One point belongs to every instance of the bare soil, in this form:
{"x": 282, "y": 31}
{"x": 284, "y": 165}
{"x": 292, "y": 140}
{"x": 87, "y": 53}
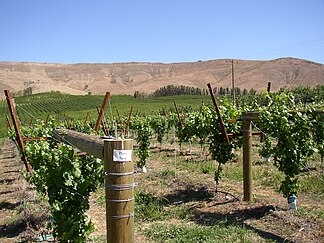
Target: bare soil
{"x": 22, "y": 215}
{"x": 126, "y": 78}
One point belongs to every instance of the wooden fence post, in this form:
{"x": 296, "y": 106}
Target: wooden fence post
{"x": 86, "y": 119}
{"x": 128, "y": 121}
{"x": 119, "y": 182}
{"x": 101, "y": 113}
{"x": 47, "y": 119}
{"x": 220, "y": 119}
{"x": 19, "y": 138}
{"x": 103, "y": 123}
{"x": 247, "y": 159}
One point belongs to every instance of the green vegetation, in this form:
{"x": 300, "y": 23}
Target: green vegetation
{"x": 149, "y": 207}
{"x": 3, "y": 121}
{"x": 172, "y": 90}
{"x": 1, "y": 141}
{"x": 76, "y": 107}
{"x": 223, "y": 232}
{"x": 313, "y": 183}
{"x": 67, "y": 179}
{"x": 291, "y": 129}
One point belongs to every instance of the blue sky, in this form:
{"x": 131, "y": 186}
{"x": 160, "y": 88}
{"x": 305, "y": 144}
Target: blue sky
{"x": 104, "y": 31}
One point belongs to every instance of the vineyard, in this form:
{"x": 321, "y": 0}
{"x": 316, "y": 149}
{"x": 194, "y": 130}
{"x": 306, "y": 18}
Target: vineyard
{"x": 189, "y": 155}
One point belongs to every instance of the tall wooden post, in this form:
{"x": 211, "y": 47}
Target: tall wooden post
{"x": 220, "y": 119}
{"x": 103, "y": 124}
{"x": 31, "y": 122}
{"x": 233, "y": 82}
{"x": 101, "y": 113}
{"x": 247, "y": 159}
{"x": 128, "y": 121}
{"x": 47, "y": 119}
{"x": 86, "y": 119}
{"x": 19, "y": 138}
{"x": 119, "y": 182}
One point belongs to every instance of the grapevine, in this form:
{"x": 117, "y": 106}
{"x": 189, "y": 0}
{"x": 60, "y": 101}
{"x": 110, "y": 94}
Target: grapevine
{"x": 291, "y": 130}
{"x": 144, "y": 133}
{"x": 219, "y": 149}
{"x": 160, "y": 126}
{"x": 66, "y": 180}
{"x": 318, "y": 132}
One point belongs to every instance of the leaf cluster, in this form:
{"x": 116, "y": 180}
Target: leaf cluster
{"x": 66, "y": 181}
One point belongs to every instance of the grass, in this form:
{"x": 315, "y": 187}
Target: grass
{"x": 196, "y": 165}
{"x": 313, "y": 183}
{"x": 1, "y": 141}
{"x": 310, "y": 212}
{"x": 221, "y": 232}
{"x": 3, "y": 122}
{"x": 168, "y": 173}
{"x": 267, "y": 176}
{"x": 149, "y": 207}
{"x": 165, "y": 222}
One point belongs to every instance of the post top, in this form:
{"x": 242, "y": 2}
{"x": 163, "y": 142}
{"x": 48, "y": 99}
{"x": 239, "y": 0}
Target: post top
{"x": 115, "y": 139}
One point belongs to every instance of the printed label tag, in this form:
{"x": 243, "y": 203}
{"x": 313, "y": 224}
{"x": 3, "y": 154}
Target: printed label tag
{"x": 122, "y": 155}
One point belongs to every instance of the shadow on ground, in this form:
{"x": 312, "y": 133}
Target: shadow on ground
{"x": 8, "y": 205}
{"x": 236, "y": 217}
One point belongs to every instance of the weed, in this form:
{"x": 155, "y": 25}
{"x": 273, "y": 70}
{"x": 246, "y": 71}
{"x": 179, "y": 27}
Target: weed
{"x": 207, "y": 168}
{"x": 167, "y": 173}
{"x": 313, "y": 183}
{"x": 149, "y": 207}
{"x": 267, "y": 176}
{"x": 232, "y": 172}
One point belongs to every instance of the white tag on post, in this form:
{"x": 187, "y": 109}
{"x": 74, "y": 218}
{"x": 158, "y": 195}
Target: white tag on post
{"x": 122, "y": 155}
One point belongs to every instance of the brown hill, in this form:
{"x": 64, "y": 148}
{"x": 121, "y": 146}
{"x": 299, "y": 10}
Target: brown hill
{"x": 126, "y": 78}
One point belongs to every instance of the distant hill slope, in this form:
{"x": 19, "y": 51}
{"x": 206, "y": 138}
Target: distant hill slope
{"x": 126, "y": 78}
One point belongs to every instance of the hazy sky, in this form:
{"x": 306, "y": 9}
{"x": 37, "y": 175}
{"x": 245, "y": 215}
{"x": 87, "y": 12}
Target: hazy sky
{"x": 74, "y": 31}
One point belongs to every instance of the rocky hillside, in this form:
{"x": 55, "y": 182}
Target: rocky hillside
{"x": 126, "y": 78}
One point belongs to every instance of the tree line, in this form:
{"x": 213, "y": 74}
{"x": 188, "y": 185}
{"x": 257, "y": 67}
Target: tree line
{"x": 172, "y": 90}
{"x": 302, "y": 94}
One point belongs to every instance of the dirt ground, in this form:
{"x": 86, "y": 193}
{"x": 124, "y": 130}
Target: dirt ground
{"x": 23, "y": 216}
